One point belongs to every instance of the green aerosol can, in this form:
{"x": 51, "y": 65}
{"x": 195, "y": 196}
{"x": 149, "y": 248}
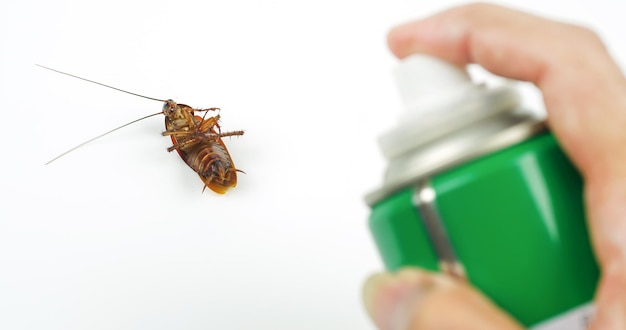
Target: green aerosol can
{"x": 479, "y": 188}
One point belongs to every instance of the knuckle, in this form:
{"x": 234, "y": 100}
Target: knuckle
{"x": 586, "y": 35}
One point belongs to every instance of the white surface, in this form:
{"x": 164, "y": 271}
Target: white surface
{"x": 118, "y": 235}
{"x": 575, "y": 319}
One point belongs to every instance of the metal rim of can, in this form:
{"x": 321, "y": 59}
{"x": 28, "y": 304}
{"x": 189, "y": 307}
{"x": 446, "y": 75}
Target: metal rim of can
{"x": 460, "y": 147}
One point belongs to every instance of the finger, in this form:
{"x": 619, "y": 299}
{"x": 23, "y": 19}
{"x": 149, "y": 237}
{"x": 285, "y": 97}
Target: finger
{"x": 610, "y": 302}
{"x": 508, "y": 42}
{"x": 607, "y": 211}
{"x": 414, "y": 299}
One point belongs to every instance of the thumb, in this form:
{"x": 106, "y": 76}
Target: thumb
{"x": 413, "y": 299}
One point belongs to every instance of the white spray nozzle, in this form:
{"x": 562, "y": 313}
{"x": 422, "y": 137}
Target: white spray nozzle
{"x": 426, "y": 83}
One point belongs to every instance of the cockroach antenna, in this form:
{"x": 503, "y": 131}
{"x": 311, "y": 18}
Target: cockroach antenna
{"x": 101, "y": 84}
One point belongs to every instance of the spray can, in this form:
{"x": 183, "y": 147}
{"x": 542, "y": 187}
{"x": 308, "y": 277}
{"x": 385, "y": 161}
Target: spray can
{"x": 479, "y": 188}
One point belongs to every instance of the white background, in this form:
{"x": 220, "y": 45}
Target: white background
{"x": 118, "y": 235}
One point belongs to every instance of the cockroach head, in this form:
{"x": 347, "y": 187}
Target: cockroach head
{"x": 169, "y": 107}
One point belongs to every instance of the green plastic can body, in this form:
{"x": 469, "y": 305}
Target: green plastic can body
{"x": 515, "y": 219}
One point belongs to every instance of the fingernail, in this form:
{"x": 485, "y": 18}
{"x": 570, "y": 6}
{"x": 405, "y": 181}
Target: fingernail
{"x": 390, "y": 298}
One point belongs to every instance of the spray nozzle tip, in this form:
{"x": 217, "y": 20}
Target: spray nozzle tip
{"x": 424, "y": 79}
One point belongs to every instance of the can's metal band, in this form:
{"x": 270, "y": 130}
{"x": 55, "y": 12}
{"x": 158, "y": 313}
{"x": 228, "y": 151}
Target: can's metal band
{"x": 455, "y": 149}
{"x": 424, "y": 200}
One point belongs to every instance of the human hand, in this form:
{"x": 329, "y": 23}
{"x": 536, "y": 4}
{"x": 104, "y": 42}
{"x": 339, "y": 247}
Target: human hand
{"x": 585, "y": 96}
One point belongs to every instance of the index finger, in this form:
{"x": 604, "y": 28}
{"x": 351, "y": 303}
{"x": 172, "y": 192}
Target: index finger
{"x": 507, "y": 42}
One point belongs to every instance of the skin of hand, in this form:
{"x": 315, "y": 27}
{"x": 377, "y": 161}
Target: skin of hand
{"x": 585, "y": 96}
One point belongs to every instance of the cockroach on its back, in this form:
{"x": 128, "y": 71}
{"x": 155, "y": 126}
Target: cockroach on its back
{"x": 198, "y": 140}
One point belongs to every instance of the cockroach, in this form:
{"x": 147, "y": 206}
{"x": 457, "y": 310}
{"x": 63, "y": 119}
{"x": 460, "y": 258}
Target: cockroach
{"x": 198, "y": 140}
